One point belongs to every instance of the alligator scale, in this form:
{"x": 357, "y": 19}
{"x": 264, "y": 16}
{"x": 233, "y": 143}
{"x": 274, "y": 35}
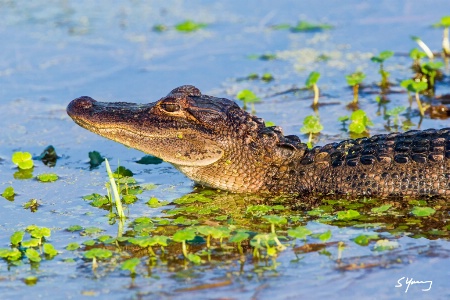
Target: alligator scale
{"x": 217, "y": 144}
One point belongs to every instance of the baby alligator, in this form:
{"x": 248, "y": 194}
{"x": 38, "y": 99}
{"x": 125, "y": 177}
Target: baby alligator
{"x": 217, "y": 144}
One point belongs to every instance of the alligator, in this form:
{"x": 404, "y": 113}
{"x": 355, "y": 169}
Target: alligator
{"x": 217, "y": 144}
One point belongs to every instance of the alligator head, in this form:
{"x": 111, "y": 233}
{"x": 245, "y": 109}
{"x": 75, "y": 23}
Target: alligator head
{"x": 211, "y": 140}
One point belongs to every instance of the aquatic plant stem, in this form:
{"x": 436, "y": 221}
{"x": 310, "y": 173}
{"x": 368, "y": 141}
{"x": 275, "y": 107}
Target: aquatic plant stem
{"x": 446, "y": 42}
{"x": 419, "y": 104}
{"x": 114, "y": 191}
{"x": 355, "y": 93}
{"x": 316, "y": 95}
{"x": 183, "y": 245}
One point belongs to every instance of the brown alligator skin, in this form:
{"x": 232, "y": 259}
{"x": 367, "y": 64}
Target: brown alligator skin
{"x": 217, "y": 144}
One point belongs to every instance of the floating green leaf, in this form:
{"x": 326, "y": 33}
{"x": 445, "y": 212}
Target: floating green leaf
{"x": 98, "y": 253}
{"x": 74, "y": 228}
{"x": 33, "y": 255}
{"x": 423, "y": 211}
{"x": 31, "y": 243}
{"x": 155, "y": 203}
{"x": 95, "y": 159}
{"x": 325, "y": 236}
{"x": 72, "y": 246}
{"x": 381, "y": 208}
{"x": 299, "y": 232}
{"x": 23, "y": 160}
{"x": 303, "y": 26}
{"x": 149, "y": 160}
{"x": 10, "y": 254}
{"x": 8, "y": 193}
{"x": 50, "y": 250}
{"x": 130, "y": 264}
{"x": 47, "y": 177}
{"x": 348, "y": 214}
{"x": 189, "y": 26}
{"x": 17, "y": 237}
{"x": 364, "y": 239}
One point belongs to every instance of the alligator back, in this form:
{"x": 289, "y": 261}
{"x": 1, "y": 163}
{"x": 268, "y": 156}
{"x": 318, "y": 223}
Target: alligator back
{"x": 397, "y": 164}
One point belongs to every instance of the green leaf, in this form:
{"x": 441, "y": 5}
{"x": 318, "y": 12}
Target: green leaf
{"x": 348, "y": 214}
{"x": 413, "y": 86}
{"x": 122, "y": 172}
{"x": 267, "y": 77}
{"x": 72, "y": 246}
{"x": 247, "y": 96}
{"x": 395, "y": 111}
{"x": 299, "y": 232}
{"x": 364, "y": 239}
{"x": 33, "y": 255}
{"x": 312, "y": 79}
{"x": 239, "y": 237}
{"x": 269, "y": 123}
{"x": 325, "y": 236}
{"x": 149, "y": 160}
{"x": 74, "y": 228}
{"x": 47, "y": 177}
{"x": 95, "y": 159}
{"x": 30, "y": 280}
{"x": 155, "y": 203}
{"x": 274, "y": 219}
{"x": 381, "y": 208}
{"x": 10, "y": 254}
{"x": 355, "y": 78}
{"x": 382, "y": 56}
{"x": 91, "y": 231}
{"x": 98, "y": 253}
{"x": 17, "y": 237}
{"x": 445, "y": 22}
{"x": 50, "y": 250}
{"x": 189, "y": 26}
{"x": 23, "y": 160}
{"x": 31, "y": 243}
{"x": 89, "y": 243}
{"x": 303, "y": 26}
{"x": 416, "y": 54}
{"x": 431, "y": 66}
{"x": 360, "y": 121}
{"x": 184, "y": 235}
{"x": 8, "y": 193}
{"x": 311, "y": 124}
{"x": 130, "y": 264}
{"x": 343, "y": 118}
{"x": 194, "y": 258}
{"x": 423, "y": 211}
{"x": 39, "y": 232}
{"x": 159, "y": 28}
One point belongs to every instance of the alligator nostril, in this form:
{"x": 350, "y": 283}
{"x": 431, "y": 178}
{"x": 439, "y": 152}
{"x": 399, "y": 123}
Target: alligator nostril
{"x": 84, "y": 102}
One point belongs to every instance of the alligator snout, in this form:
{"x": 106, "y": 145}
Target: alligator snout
{"x": 80, "y": 105}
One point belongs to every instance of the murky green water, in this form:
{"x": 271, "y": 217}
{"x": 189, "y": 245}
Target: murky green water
{"x": 52, "y": 52}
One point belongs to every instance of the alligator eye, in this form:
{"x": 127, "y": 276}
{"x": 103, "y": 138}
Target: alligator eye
{"x": 170, "y": 107}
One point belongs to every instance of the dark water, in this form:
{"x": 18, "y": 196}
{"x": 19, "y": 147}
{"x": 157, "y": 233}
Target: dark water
{"x": 54, "y": 51}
